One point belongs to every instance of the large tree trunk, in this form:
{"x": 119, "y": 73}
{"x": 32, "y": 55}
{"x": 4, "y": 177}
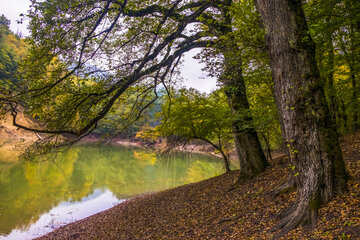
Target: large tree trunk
{"x": 251, "y": 156}
{"x": 307, "y": 127}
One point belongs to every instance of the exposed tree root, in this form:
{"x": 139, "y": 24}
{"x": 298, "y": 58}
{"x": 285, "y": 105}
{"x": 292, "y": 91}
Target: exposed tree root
{"x": 284, "y": 213}
{"x": 285, "y": 187}
{"x": 301, "y": 214}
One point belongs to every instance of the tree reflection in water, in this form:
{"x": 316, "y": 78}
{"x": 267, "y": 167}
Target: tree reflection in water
{"x": 30, "y": 192}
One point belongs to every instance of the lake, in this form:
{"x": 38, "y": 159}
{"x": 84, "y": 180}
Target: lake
{"x": 39, "y": 196}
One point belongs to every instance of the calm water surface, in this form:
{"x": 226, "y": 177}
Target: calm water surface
{"x": 36, "y": 198}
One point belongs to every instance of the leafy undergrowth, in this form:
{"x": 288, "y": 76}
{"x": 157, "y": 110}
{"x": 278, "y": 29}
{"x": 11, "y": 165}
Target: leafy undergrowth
{"x": 205, "y": 210}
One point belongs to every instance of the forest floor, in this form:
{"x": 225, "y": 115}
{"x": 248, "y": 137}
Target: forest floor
{"x": 206, "y": 210}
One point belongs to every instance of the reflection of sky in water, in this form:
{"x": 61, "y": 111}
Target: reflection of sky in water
{"x": 29, "y": 190}
{"x": 66, "y": 212}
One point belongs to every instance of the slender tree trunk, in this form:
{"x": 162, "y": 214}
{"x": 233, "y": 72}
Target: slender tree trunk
{"x": 330, "y": 89}
{"x": 307, "y": 127}
{"x": 354, "y": 99}
{"x": 353, "y": 60}
{"x": 226, "y": 161}
{"x": 355, "y": 90}
{"x": 268, "y": 147}
{"x": 343, "y": 116}
{"x": 220, "y": 149}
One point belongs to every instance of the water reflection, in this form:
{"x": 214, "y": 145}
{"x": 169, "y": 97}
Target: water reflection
{"x": 67, "y": 212}
{"x": 31, "y": 192}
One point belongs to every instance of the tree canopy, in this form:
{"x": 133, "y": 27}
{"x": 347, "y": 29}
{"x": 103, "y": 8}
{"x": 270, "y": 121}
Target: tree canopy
{"x": 191, "y": 115}
{"x": 114, "y": 45}
{"x": 12, "y": 50}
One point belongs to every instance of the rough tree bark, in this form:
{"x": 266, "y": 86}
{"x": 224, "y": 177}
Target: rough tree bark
{"x": 306, "y": 124}
{"x": 251, "y": 156}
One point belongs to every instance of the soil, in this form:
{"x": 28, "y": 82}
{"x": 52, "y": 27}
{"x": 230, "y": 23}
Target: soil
{"x": 13, "y": 141}
{"x": 207, "y": 210}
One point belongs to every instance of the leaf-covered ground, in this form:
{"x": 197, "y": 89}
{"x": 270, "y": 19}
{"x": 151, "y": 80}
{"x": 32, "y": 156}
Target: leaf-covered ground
{"x": 205, "y": 210}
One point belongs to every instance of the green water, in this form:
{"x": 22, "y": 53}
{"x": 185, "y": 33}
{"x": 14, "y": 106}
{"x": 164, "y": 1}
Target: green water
{"x": 29, "y": 190}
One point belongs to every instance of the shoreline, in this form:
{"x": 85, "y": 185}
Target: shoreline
{"x": 207, "y": 210}
{"x": 202, "y": 148}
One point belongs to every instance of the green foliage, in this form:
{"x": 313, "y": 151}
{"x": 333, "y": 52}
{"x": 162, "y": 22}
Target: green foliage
{"x": 4, "y": 21}
{"x": 247, "y": 29}
{"x": 130, "y": 114}
{"x": 334, "y": 25}
{"x": 192, "y": 115}
{"x": 12, "y": 51}
{"x": 105, "y": 76}
{"x": 249, "y": 36}
{"x": 85, "y": 62}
